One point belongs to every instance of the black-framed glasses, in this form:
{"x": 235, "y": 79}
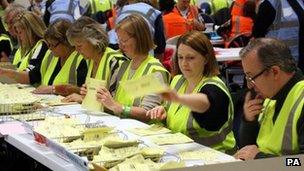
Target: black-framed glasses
{"x": 251, "y": 79}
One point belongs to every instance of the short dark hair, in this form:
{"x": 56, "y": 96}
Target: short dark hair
{"x": 271, "y": 52}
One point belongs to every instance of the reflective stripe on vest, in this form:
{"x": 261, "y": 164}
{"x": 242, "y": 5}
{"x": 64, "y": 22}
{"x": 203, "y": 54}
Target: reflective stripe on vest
{"x": 218, "y": 137}
{"x": 180, "y": 118}
{"x": 46, "y": 67}
{"x": 286, "y": 145}
{"x": 285, "y": 26}
{"x": 104, "y": 70}
{"x": 25, "y": 61}
{"x": 148, "y": 12}
{"x": 69, "y": 11}
{"x": 67, "y": 73}
{"x": 149, "y": 65}
{"x": 281, "y": 137}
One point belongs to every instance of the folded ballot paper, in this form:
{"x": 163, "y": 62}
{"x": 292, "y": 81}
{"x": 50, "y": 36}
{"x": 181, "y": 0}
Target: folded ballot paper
{"x": 148, "y": 84}
{"x": 151, "y": 130}
{"x": 168, "y": 139}
{"x": 90, "y": 101}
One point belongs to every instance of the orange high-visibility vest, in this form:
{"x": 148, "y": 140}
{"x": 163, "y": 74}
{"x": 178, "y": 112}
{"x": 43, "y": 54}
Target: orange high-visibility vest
{"x": 111, "y": 20}
{"x": 174, "y": 25}
{"x": 237, "y": 8}
{"x": 240, "y": 24}
{"x": 192, "y": 14}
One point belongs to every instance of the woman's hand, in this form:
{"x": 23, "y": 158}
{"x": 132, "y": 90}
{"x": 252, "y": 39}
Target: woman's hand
{"x": 158, "y": 112}
{"x": 170, "y": 95}
{"x": 104, "y": 96}
{"x": 73, "y": 98}
{"x": 43, "y": 90}
{"x": 83, "y": 90}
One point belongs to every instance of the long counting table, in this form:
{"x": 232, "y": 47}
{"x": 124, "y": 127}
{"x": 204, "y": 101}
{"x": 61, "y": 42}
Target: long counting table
{"x": 42, "y": 154}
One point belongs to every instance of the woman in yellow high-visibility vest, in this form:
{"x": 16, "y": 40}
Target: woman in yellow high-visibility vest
{"x": 135, "y": 40}
{"x": 92, "y": 42}
{"x": 30, "y": 30}
{"x": 199, "y": 104}
{"x": 63, "y": 69}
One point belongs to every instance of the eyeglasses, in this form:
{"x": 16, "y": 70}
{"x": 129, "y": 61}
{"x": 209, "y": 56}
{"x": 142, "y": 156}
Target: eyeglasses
{"x": 53, "y": 46}
{"x": 124, "y": 41}
{"x": 250, "y": 80}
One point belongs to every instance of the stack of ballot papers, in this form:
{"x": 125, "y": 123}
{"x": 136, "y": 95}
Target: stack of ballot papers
{"x": 110, "y": 157}
{"x": 139, "y": 163}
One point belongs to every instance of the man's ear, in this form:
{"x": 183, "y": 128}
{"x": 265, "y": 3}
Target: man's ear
{"x": 276, "y": 71}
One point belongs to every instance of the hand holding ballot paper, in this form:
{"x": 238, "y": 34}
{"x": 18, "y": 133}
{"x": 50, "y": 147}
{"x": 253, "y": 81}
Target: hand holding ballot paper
{"x": 90, "y": 101}
{"x": 145, "y": 85}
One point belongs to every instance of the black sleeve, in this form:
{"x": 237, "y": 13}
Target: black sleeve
{"x": 5, "y": 47}
{"x": 217, "y": 115}
{"x": 159, "y": 36}
{"x": 82, "y": 72}
{"x": 248, "y": 132}
{"x": 264, "y": 18}
{"x": 34, "y": 65}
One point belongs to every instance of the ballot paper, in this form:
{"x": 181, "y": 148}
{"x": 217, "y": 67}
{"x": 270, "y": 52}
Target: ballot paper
{"x": 202, "y": 154}
{"x": 90, "y": 101}
{"x": 57, "y": 101}
{"x": 166, "y": 139}
{"x": 151, "y": 130}
{"x": 145, "y": 85}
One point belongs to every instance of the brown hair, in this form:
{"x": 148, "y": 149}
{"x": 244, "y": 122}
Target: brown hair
{"x": 200, "y": 43}
{"x": 57, "y": 31}
{"x": 137, "y": 27}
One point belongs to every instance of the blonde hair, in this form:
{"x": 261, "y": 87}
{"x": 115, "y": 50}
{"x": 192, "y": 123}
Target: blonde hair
{"x": 137, "y": 27}
{"x": 89, "y": 30}
{"x": 33, "y": 26}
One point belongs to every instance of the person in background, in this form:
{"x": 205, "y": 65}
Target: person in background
{"x": 152, "y": 15}
{"x": 63, "y": 69}
{"x": 190, "y": 14}
{"x": 6, "y": 46}
{"x": 273, "y": 119}
{"x": 61, "y": 9}
{"x": 135, "y": 40}
{"x": 92, "y": 42}
{"x": 282, "y": 19}
{"x": 30, "y": 30}
{"x": 199, "y": 104}
{"x": 10, "y": 13}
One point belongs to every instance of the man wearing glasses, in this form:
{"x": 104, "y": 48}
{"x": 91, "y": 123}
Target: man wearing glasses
{"x": 273, "y": 122}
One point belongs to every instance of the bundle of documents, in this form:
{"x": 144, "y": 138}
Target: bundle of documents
{"x": 139, "y": 163}
{"x": 60, "y": 128}
{"x": 110, "y": 157}
{"x": 16, "y": 101}
{"x": 151, "y": 130}
{"x": 207, "y": 155}
{"x": 56, "y": 101}
{"x": 167, "y": 139}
